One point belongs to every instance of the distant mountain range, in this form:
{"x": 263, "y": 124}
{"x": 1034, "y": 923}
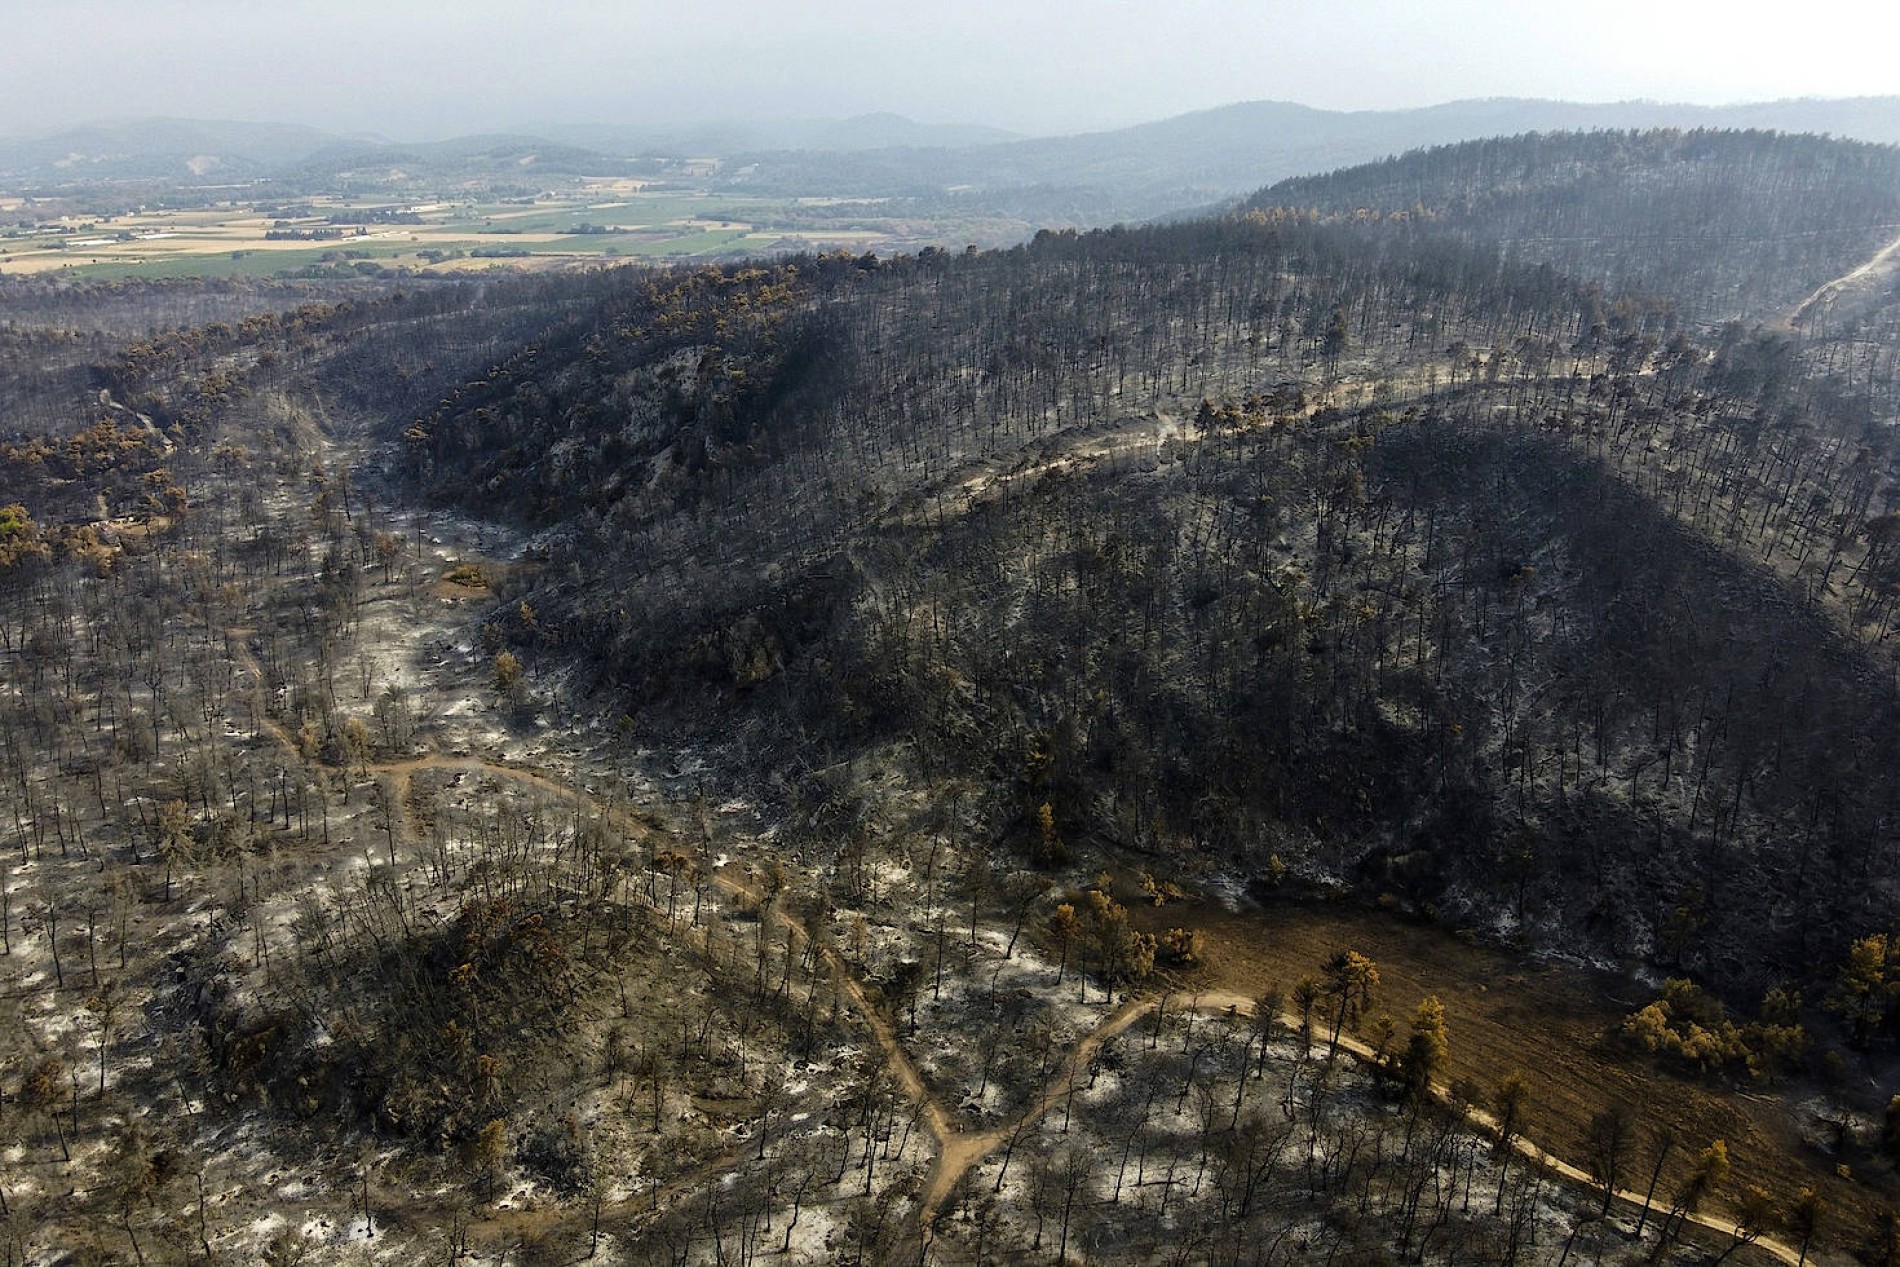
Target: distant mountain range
{"x": 720, "y": 139}
{"x": 160, "y": 149}
{"x": 1197, "y": 159}
{"x": 1153, "y": 169}
{"x": 215, "y": 151}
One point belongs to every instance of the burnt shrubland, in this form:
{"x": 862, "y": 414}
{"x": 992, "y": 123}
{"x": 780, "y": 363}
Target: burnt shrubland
{"x": 702, "y": 761}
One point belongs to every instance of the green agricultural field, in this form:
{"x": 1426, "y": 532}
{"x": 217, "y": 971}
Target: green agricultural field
{"x": 243, "y": 262}
{"x": 702, "y": 243}
{"x": 626, "y": 211}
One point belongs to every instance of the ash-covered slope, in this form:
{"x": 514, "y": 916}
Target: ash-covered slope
{"x": 1350, "y": 545}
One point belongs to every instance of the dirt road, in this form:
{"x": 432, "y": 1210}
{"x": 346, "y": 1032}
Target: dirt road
{"x": 1506, "y": 1015}
{"x": 1547, "y": 1022}
{"x": 1864, "y": 284}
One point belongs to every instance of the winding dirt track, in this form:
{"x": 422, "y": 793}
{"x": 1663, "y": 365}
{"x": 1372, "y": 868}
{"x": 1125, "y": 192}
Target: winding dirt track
{"x": 958, "y": 1149}
{"x": 1223, "y": 1001}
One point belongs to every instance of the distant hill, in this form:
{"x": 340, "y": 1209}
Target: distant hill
{"x": 724, "y": 138}
{"x": 1200, "y": 158}
{"x": 211, "y": 152}
{"x": 180, "y": 149}
{"x": 458, "y": 157}
{"x": 218, "y": 151}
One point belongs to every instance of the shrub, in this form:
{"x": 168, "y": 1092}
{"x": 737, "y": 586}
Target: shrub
{"x": 1688, "y": 1027}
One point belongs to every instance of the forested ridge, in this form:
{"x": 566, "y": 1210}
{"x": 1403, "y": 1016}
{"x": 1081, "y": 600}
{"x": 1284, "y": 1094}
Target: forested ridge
{"x": 1721, "y": 224}
{"x": 691, "y": 750}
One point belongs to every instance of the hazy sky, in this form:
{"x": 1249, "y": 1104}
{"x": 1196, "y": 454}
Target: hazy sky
{"x": 423, "y": 68}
